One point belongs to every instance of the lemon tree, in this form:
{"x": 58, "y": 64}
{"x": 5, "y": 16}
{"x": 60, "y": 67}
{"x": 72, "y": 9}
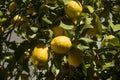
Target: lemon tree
{"x": 59, "y": 40}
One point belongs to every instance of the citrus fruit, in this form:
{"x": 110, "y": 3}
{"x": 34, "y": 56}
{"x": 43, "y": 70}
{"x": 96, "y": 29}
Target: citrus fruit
{"x": 75, "y": 57}
{"x": 109, "y": 37}
{"x": 12, "y": 6}
{"x": 61, "y": 44}
{"x": 40, "y": 55}
{"x": 73, "y": 10}
{"x": 58, "y": 31}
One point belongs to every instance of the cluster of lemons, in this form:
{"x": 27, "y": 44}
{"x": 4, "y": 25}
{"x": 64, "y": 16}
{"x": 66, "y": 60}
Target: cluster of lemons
{"x": 61, "y": 44}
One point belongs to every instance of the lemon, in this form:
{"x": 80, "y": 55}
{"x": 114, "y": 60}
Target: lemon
{"x": 61, "y": 44}
{"x": 58, "y": 31}
{"x": 73, "y": 10}
{"x": 12, "y": 6}
{"x": 75, "y": 57}
{"x": 40, "y": 55}
{"x": 109, "y": 37}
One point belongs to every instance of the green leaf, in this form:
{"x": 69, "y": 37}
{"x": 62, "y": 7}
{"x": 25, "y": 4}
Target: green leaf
{"x": 82, "y": 47}
{"x": 88, "y": 40}
{"x": 55, "y": 71}
{"x": 115, "y": 27}
{"x": 107, "y": 65}
{"x": 68, "y": 27}
{"x": 90, "y": 8}
{"x": 88, "y": 20}
{"x": 86, "y": 26}
{"x": 1, "y": 13}
{"x": 66, "y": 1}
{"x": 34, "y": 28}
{"x": 97, "y": 24}
{"x": 3, "y": 19}
{"x": 46, "y": 20}
{"x": 115, "y": 42}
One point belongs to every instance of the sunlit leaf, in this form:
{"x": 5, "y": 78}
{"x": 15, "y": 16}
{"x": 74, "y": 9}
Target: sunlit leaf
{"x": 68, "y": 27}
{"x": 88, "y": 20}
{"x": 55, "y": 71}
{"x": 82, "y": 47}
{"x": 88, "y": 40}
{"x": 34, "y": 28}
{"x": 46, "y": 20}
{"x": 115, "y": 27}
{"x": 90, "y": 8}
{"x": 108, "y": 65}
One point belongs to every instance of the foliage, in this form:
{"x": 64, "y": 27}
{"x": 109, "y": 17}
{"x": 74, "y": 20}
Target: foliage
{"x": 101, "y": 58}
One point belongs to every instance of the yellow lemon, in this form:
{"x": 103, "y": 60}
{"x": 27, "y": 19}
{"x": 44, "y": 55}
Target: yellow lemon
{"x": 61, "y": 44}
{"x": 12, "y": 6}
{"x": 75, "y": 57}
{"x": 58, "y": 31}
{"x": 73, "y": 10}
{"x": 40, "y": 55}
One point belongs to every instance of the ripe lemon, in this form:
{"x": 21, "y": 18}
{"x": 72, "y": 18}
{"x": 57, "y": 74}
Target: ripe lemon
{"x": 12, "y": 6}
{"x": 61, "y": 44}
{"x": 40, "y": 55}
{"x": 58, "y": 31}
{"x": 73, "y": 9}
{"x": 75, "y": 57}
{"x": 109, "y": 37}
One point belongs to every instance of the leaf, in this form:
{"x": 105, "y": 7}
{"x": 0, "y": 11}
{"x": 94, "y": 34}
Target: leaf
{"x": 107, "y": 65}
{"x": 88, "y": 40}
{"x": 1, "y": 13}
{"x": 3, "y": 19}
{"x": 90, "y": 8}
{"x": 82, "y": 47}
{"x": 55, "y": 71}
{"x": 46, "y": 20}
{"x": 86, "y": 26}
{"x": 66, "y": 1}
{"x": 97, "y": 24}
{"x": 34, "y": 28}
{"x": 68, "y": 27}
{"x": 115, "y": 41}
{"x": 115, "y": 27}
{"x": 88, "y": 20}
